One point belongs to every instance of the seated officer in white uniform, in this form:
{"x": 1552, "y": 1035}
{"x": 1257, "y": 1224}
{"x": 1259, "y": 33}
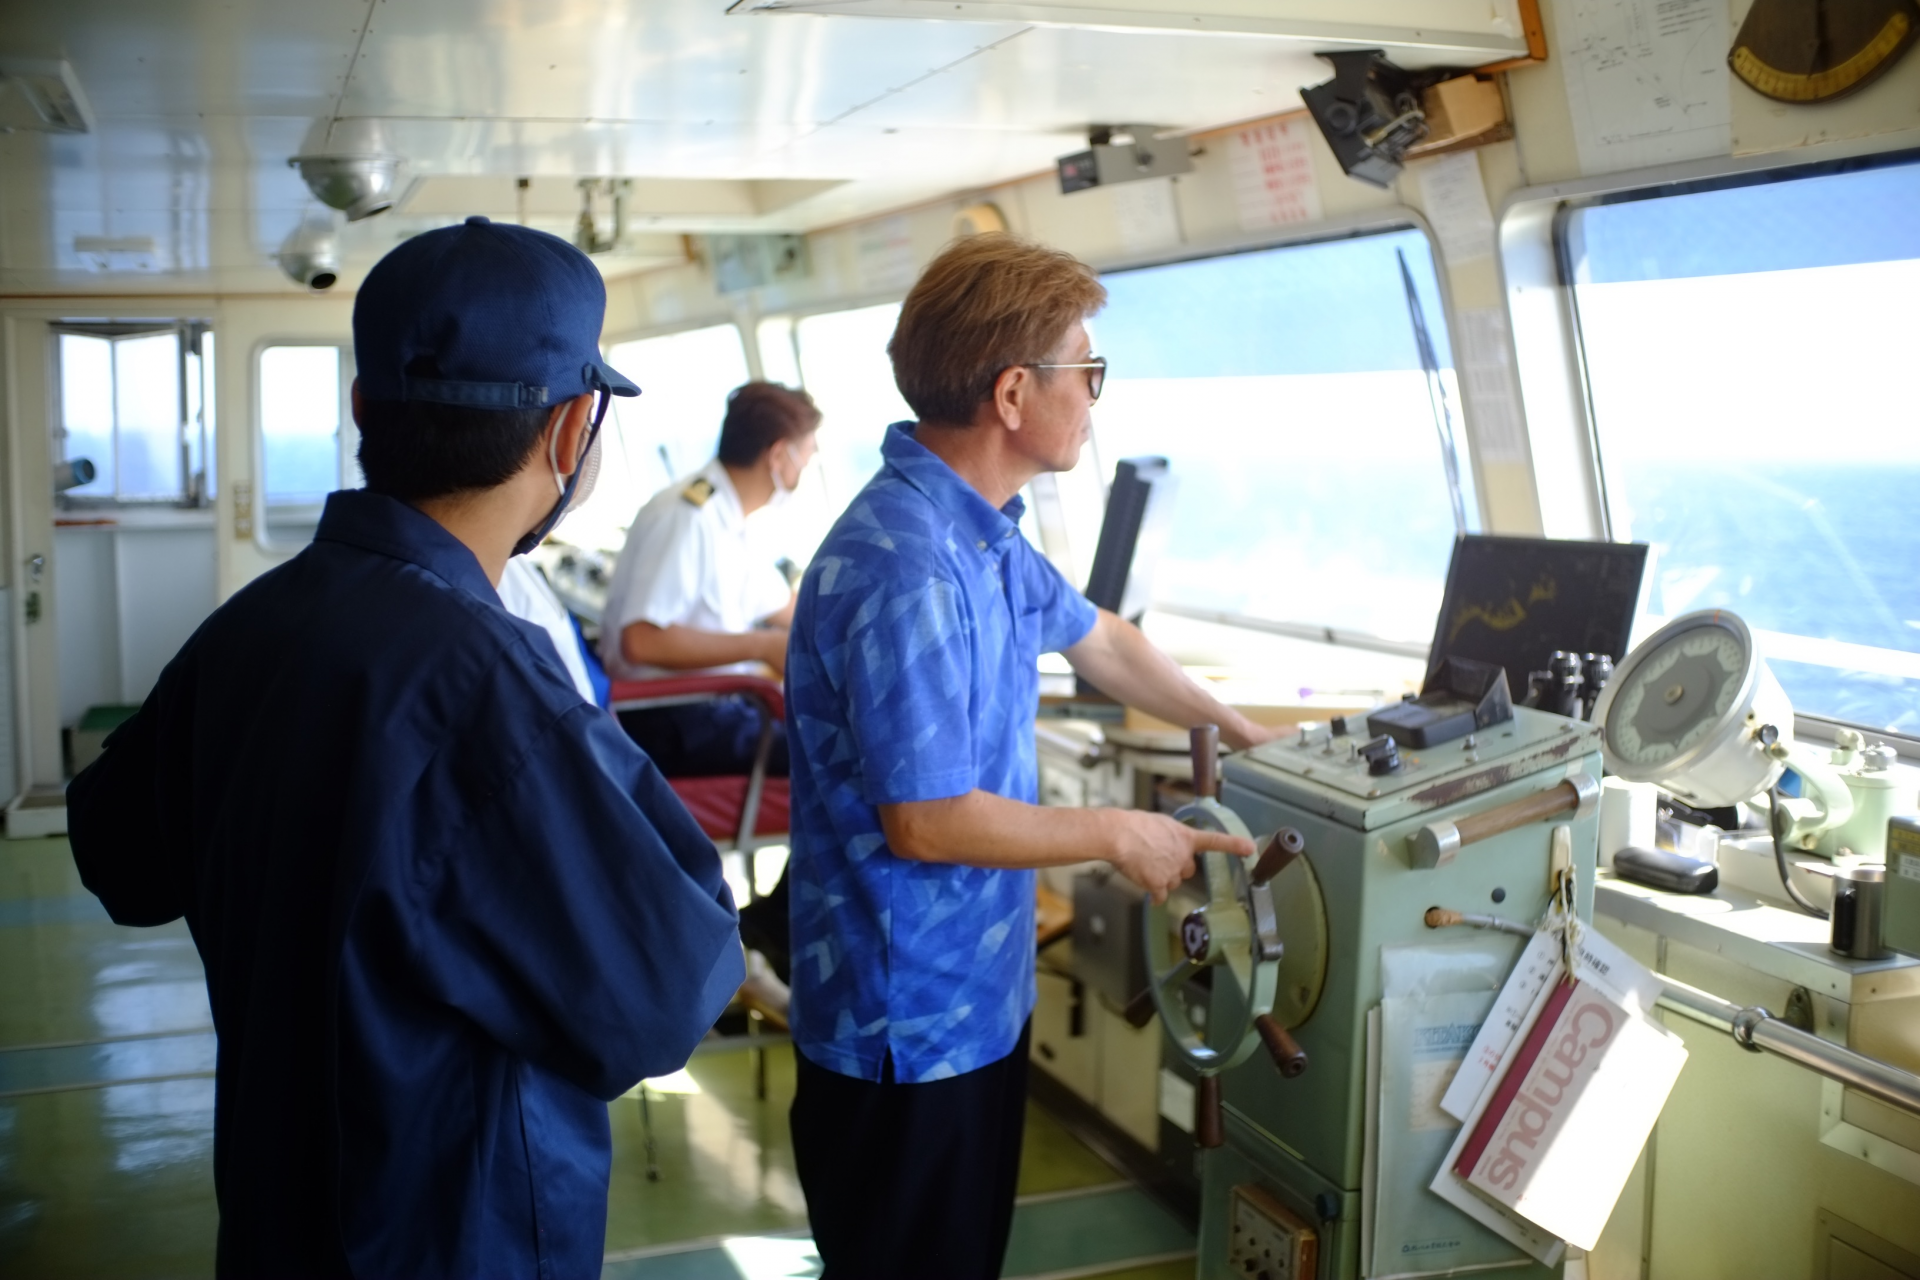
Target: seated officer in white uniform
{"x": 691, "y": 595}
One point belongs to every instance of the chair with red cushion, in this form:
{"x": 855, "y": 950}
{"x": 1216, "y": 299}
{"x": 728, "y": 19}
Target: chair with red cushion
{"x": 741, "y": 812}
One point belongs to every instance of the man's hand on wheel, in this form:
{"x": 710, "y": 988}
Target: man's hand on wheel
{"x": 1157, "y": 853}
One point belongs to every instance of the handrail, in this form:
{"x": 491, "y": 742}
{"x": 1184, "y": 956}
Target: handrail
{"x": 1437, "y": 843}
{"x": 1752, "y": 1027}
{"x": 1755, "y": 1029}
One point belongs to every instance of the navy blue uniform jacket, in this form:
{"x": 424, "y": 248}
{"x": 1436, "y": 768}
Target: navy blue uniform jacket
{"x": 447, "y": 910}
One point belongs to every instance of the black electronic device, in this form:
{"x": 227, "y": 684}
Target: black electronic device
{"x": 1515, "y": 602}
{"x": 1369, "y": 112}
{"x": 1132, "y": 533}
{"x": 1459, "y": 697}
{"x": 1659, "y": 869}
{"x": 1139, "y": 508}
{"x": 1123, "y": 153}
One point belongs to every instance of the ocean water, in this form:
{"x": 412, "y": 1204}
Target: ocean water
{"x": 1830, "y": 551}
{"x": 1812, "y": 551}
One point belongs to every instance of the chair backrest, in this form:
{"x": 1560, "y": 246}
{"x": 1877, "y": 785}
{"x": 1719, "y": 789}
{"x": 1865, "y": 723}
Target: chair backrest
{"x": 596, "y": 673}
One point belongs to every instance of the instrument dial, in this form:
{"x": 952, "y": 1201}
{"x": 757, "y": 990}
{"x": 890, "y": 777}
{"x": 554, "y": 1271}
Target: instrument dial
{"x": 1687, "y": 708}
{"x": 1675, "y": 697}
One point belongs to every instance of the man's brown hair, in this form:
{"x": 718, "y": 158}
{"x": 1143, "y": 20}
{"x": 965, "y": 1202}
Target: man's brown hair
{"x": 986, "y": 304}
{"x": 761, "y": 415}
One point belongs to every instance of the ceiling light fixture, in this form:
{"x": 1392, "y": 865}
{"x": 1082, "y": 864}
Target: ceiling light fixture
{"x": 310, "y": 255}
{"x": 1499, "y": 30}
{"x": 347, "y": 166}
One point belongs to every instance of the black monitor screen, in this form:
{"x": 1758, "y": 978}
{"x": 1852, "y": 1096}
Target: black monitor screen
{"x": 1139, "y": 507}
{"x": 1514, "y": 601}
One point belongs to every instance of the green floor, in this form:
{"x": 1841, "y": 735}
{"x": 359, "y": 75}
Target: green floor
{"x": 106, "y": 1115}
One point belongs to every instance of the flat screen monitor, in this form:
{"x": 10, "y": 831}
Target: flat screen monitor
{"x": 1134, "y": 530}
{"x": 1514, "y": 601}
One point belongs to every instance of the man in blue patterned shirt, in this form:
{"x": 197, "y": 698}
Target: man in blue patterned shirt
{"x": 912, "y": 687}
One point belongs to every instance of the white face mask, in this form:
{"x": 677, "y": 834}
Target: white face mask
{"x": 782, "y": 492}
{"x": 589, "y": 473}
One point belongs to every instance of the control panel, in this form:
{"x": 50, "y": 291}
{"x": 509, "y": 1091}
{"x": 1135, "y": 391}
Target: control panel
{"x": 1366, "y": 780}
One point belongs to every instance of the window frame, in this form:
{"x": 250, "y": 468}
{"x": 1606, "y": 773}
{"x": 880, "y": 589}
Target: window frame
{"x": 188, "y": 330}
{"x": 1562, "y": 429}
{"x": 301, "y": 513}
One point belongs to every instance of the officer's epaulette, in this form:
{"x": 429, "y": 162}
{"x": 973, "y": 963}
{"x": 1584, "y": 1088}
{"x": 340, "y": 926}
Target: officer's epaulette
{"x": 698, "y": 492}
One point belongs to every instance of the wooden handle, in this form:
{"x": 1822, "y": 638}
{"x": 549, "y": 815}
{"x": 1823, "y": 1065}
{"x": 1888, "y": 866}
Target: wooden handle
{"x": 1140, "y": 1010}
{"x": 1286, "y": 845}
{"x": 1286, "y": 1051}
{"x": 1205, "y": 744}
{"x": 1209, "y": 1128}
{"x": 1541, "y": 804}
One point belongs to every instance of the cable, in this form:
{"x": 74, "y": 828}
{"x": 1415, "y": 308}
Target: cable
{"x": 1780, "y": 855}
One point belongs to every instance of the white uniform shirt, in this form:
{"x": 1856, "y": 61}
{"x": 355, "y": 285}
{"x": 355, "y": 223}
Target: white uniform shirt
{"x": 689, "y": 562}
{"x": 527, "y": 595}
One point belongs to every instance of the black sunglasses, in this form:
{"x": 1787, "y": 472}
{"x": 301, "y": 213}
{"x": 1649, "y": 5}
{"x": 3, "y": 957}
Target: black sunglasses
{"x": 1096, "y": 376}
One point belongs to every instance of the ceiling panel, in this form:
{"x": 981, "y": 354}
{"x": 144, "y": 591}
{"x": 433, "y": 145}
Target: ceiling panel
{"x": 1061, "y": 79}
{"x": 238, "y": 57}
{"x": 201, "y": 102}
{"x": 1418, "y": 33}
{"x": 613, "y": 60}
{"x": 455, "y": 197}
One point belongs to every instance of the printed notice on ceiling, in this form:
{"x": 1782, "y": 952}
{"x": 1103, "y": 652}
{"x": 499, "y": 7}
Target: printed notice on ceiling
{"x": 1273, "y": 182}
{"x": 1646, "y": 81}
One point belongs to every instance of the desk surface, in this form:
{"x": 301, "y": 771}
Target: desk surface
{"x": 1782, "y": 943}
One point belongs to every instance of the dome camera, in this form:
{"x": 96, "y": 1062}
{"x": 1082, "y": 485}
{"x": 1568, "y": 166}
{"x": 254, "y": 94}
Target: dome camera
{"x": 311, "y": 256}
{"x": 347, "y": 166}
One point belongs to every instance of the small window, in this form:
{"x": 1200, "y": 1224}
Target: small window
{"x": 136, "y": 413}
{"x": 844, "y": 364}
{"x": 308, "y": 444}
{"x": 1314, "y": 452}
{"x": 670, "y": 429}
{"x": 1746, "y": 350}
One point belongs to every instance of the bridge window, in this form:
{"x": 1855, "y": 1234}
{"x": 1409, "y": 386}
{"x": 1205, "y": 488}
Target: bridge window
{"x": 1746, "y": 350}
{"x": 1315, "y": 454}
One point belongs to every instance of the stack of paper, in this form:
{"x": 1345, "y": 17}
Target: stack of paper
{"x": 1557, "y": 1096}
{"x": 1435, "y": 995}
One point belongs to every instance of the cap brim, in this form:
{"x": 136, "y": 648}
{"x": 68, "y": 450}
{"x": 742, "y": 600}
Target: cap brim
{"x": 614, "y": 381}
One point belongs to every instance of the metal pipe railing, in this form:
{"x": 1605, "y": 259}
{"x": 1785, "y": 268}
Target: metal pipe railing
{"x": 1752, "y": 1027}
{"x": 1757, "y": 1029}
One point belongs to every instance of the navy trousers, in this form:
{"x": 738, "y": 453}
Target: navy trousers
{"x": 705, "y": 739}
{"x": 911, "y": 1180}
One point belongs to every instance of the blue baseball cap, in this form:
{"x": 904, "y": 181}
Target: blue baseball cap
{"x": 485, "y": 314}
